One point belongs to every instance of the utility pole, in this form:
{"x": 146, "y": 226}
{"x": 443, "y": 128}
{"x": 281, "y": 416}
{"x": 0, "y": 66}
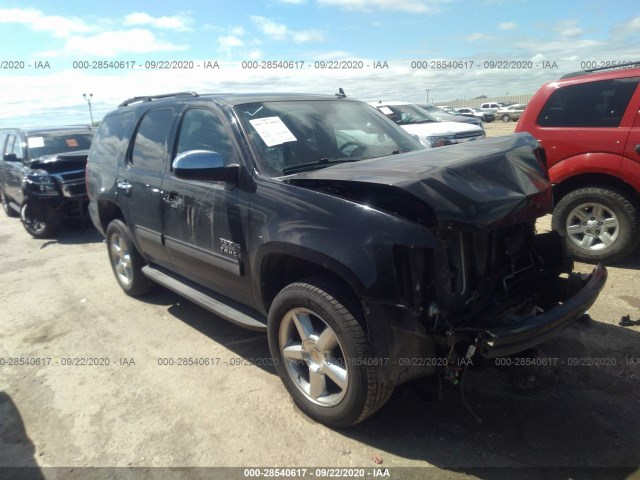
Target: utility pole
{"x": 88, "y": 99}
{"x": 427, "y": 94}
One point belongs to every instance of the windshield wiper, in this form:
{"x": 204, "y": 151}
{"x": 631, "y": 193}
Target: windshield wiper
{"x": 322, "y": 163}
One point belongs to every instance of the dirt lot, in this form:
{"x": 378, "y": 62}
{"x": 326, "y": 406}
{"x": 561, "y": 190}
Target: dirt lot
{"x": 62, "y": 306}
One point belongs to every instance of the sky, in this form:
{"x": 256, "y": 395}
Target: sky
{"x": 413, "y": 50}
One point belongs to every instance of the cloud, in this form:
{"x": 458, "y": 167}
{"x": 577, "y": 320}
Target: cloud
{"x": 229, "y": 41}
{"x": 293, "y": 2}
{"x": 58, "y": 26}
{"x": 413, "y": 6}
{"x": 507, "y": 26}
{"x": 179, "y": 23}
{"x": 567, "y": 28}
{"x": 113, "y": 43}
{"x": 279, "y": 31}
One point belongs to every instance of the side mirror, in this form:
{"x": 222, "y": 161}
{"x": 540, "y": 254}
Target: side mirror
{"x": 11, "y": 157}
{"x": 204, "y": 165}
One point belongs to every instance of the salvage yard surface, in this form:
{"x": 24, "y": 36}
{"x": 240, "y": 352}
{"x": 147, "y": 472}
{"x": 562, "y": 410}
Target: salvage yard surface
{"x": 92, "y": 377}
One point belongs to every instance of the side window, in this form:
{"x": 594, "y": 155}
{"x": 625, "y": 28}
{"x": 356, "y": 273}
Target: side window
{"x": 112, "y": 138}
{"x": 595, "y": 104}
{"x": 14, "y": 145}
{"x": 150, "y": 145}
{"x": 203, "y": 130}
{"x": 3, "y": 141}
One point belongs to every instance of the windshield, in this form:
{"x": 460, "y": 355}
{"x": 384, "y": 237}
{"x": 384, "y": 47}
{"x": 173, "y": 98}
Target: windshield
{"x": 294, "y": 136}
{"x": 407, "y": 114}
{"x": 50, "y": 144}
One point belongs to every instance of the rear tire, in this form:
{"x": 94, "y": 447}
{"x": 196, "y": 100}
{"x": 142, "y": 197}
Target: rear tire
{"x": 598, "y": 223}
{"x": 126, "y": 262}
{"x": 322, "y": 354}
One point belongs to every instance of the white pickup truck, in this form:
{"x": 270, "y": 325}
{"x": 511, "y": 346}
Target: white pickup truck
{"x": 430, "y": 131}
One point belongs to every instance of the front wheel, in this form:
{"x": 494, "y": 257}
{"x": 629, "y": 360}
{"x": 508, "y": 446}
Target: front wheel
{"x": 506, "y": 118}
{"x": 322, "y": 354}
{"x": 599, "y": 224}
{"x": 35, "y": 226}
{"x": 126, "y": 261}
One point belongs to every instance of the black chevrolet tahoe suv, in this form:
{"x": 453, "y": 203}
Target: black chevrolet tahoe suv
{"x": 42, "y": 175}
{"x": 367, "y": 259}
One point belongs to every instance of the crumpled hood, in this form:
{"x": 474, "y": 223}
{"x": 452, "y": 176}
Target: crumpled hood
{"x": 478, "y": 184}
{"x": 61, "y": 162}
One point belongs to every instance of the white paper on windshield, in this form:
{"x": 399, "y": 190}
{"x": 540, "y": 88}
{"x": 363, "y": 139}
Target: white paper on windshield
{"x": 386, "y": 110}
{"x": 272, "y": 130}
{"x": 35, "y": 142}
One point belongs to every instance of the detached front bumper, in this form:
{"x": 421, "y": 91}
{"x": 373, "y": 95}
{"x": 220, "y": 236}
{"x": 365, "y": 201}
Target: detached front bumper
{"x": 504, "y": 341}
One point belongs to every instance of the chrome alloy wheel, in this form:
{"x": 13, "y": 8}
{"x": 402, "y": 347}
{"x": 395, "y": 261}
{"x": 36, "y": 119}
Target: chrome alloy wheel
{"x": 121, "y": 259}
{"x": 30, "y": 222}
{"x": 592, "y": 226}
{"x": 313, "y": 357}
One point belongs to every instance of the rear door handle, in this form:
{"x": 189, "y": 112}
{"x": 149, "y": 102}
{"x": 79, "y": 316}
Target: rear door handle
{"x": 172, "y": 199}
{"x": 637, "y": 149}
{"x": 123, "y": 185}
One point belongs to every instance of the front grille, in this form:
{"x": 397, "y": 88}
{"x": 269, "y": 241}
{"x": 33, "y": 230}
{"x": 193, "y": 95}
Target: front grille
{"x": 71, "y": 183}
{"x": 466, "y": 136}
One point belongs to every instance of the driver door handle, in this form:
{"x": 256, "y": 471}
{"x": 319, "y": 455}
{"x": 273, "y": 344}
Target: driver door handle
{"x": 172, "y": 199}
{"x": 637, "y": 149}
{"x": 124, "y": 186}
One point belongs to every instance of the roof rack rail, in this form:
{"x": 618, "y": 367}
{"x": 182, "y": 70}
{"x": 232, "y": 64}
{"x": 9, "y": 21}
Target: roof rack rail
{"x": 148, "y": 98}
{"x": 599, "y": 69}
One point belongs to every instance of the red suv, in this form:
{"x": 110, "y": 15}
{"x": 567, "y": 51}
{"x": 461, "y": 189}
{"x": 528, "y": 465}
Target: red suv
{"x": 589, "y": 125}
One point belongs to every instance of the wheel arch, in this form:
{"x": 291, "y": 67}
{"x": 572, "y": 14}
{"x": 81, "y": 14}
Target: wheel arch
{"x": 280, "y": 268}
{"x": 109, "y": 211}
{"x": 560, "y": 190}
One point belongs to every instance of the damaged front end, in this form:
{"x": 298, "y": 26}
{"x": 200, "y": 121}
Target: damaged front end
{"x": 499, "y": 292}
{"x": 486, "y": 285}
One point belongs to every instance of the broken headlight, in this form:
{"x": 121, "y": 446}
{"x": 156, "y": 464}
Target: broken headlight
{"x": 441, "y": 140}
{"x": 41, "y": 183}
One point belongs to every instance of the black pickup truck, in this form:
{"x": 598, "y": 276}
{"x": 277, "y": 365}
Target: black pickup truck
{"x": 42, "y": 175}
{"x": 367, "y": 259}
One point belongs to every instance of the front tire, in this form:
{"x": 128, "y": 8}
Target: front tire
{"x": 35, "y": 227}
{"x": 126, "y": 262}
{"x": 322, "y": 354}
{"x": 598, "y": 223}
{"x": 506, "y": 118}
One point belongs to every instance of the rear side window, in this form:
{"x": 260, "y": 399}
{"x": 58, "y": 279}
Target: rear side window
{"x": 594, "y": 104}
{"x": 150, "y": 145}
{"x": 112, "y": 138}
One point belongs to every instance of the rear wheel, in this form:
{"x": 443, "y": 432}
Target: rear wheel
{"x": 599, "y": 224}
{"x": 126, "y": 261}
{"x": 323, "y": 355}
{"x": 35, "y": 226}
